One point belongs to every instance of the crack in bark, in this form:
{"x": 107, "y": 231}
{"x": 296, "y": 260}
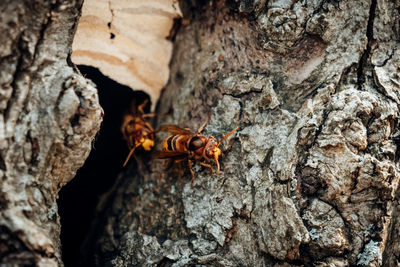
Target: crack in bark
{"x": 325, "y": 116}
{"x": 13, "y": 85}
{"x": 386, "y": 59}
{"x": 253, "y": 198}
{"x": 241, "y": 95}
{"x": 370, "y": 35}
{"x": 241, "y": 110}
{"x": 45, "y": 25}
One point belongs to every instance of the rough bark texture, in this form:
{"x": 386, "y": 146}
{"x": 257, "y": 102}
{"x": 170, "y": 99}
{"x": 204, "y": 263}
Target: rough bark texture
{"x": 49, "y": 115}
{"x": 312, "y": 174}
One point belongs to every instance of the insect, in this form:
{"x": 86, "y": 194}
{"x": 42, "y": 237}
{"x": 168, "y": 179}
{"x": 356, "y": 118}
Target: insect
{"x": 183, "y": 144}
{"x": 230, "y": 233}
{"x": 137, "y": 131}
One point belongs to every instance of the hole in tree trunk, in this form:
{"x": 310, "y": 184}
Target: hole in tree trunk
{"x": 78, "y": 199}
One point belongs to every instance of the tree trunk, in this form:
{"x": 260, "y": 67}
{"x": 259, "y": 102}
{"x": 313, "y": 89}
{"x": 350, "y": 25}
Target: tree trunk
{"x": 311, "y": 176}
{"x": 49, "y": 115}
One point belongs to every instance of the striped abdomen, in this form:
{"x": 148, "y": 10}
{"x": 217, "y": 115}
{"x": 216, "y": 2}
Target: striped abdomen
{"x": 184, "y": 143}
{"x": 175, "y": 143}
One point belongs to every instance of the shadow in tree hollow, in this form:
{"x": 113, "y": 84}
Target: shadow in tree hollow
{"x": 78, "y": 199}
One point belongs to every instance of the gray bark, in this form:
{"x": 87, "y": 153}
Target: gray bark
{"x": 312, "y": 174}
{"x": 311, "y": 177}
{"x": 49, "y": 115}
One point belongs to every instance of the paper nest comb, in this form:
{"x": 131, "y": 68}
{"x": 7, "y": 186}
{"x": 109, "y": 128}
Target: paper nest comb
{"x": 126, "y": 41}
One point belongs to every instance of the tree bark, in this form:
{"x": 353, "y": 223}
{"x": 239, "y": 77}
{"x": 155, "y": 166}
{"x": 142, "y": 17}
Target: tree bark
{"x": 310, "y": 178}
{"x": 312, "y": 174}
{"x": 49, "y": 115}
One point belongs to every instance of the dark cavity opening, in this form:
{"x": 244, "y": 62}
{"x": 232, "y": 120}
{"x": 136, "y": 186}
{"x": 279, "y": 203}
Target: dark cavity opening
{"x": 78, "y": 199}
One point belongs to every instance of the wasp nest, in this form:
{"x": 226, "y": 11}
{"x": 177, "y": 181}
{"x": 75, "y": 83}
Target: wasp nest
{"x": 126, "y": 40}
